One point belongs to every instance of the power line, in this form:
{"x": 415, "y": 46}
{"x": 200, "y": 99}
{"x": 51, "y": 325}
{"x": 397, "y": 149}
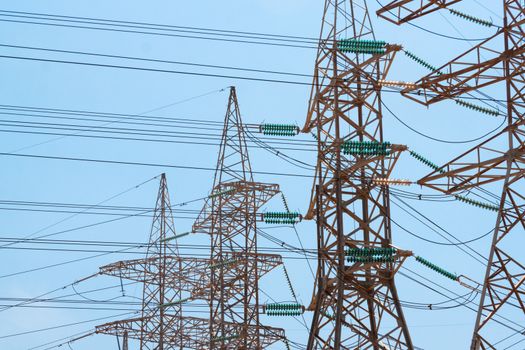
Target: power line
{"x": 463, "y": 247}
{"x": 505, "y": 324}
{"x": 116, "y": 162}
{"x": 151, "y": 60}
{"x": 171, "y": 104}
{"x": 439, "y": 139}
{"x": 62, "y": 326}
{"x": 158, "y": 70}
{"x": 166, "y": 26}
{"x": 164, "y": 30}
{"x": 170, "y": 135}
{"x": 99, "y": 203}
{"x": 137, "y": 139}
{"x": 62, "y": 263}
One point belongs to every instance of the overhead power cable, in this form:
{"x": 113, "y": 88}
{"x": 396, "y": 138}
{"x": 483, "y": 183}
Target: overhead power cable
{"x": 64, "y": 262}
{"x": 151, "y": 60}
{"x": 169, "y": 71}
{"x": 73, "y": 215}
{"x": 439, "y": 139}
{"x": 432, "y": 225}
{"x": 139, "y": 139}
{"x": 156, "y": 70}
{"x": 69, "y": 339}
{"x": 62, "y": 326}
{"x": 159, "y": 135}
{"x": 170, "y": 26}
{"x": 158, "y": 165}
{"x": 504, "y": 321}
{"x": 281, "y": 246}
{"x": 158, "y": 30}
{"x": 171, "y": 104}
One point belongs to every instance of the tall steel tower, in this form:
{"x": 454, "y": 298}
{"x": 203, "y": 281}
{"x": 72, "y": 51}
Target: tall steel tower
{"x": 168, "y": 280}
{"x": 230, "y": 217}
{"x": 498, "y": 59}
{"x": 355, "y": 303}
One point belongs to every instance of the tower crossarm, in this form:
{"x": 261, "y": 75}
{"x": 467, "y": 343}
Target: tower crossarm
{"x": 364, "y": 167}
{"x": 191, "y": 332}
{"x": 184, "y": 273}
{"x": 233, "y": 196}
{"x": 481, "y": 66}
{"x": 185, "y": 332}
{"x": 482, "y": 164}
{"x": 401, "y": 11}
{"x": 233, "y": 265}
{"x": 357, "y": 83}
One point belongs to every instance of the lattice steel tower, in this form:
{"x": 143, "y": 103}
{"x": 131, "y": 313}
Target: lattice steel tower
{"x": 161, "y": 325}
{"x": 355, "y": 303}
{"x": 498, "y": 59}
{"x": 230, "y": 217}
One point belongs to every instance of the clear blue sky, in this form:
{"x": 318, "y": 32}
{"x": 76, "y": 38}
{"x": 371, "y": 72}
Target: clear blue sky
{"x": 54, "y": 85}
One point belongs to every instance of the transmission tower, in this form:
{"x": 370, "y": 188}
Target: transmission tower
{"x": 229, "y": 217}
{"x": 499, "y": 158}
{"x": 355, "y": 302}
{"x": 168, "y": 280}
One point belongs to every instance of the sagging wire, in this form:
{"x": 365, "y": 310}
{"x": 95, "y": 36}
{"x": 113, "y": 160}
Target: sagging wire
{"x": 282, "y": 155}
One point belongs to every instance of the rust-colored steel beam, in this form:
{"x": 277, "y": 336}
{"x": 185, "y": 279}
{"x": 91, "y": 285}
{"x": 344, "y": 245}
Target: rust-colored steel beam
{"x": 186, "y": 274}
{"x": 402, "y": 11}
{"x": 355, "y": 304}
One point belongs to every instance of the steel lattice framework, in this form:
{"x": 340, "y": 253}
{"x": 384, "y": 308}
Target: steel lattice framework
{"x": 401, "y": 11}
{"x": 170, "y": 281}
{"x": 500, "y": 58}
{"x": 159, "y": 327}
{"x": 229, "y": 217}
{"x": 355, "y": 305}
{"x": 227, "y": 281}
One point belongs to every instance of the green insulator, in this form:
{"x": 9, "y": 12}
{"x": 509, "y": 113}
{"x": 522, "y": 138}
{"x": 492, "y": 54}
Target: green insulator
{"x": 224, "y": 263}
{"x": 326, "y": 314}
{"x": 175, "y": 237}
{"x": 361, "y": 46}
{"x": 366, "y": 150}
{"x": 279, "y": 129}
{"x": 370, "y": 259}
{"x": 470, "y": 18}
{"x": 274, "y": 307}
{"x": 426, "y": 161}
{"x": 282, "y": 217}
{"x": 477, "y": 203}
{"x": 436, "y": 268}
{"x": 478, "y": 108}
{"x": 420, "y": 61}
{"x": 224, "y": 338}
{"x": 221, "y": 193}
{"x": 176, "y": 302}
